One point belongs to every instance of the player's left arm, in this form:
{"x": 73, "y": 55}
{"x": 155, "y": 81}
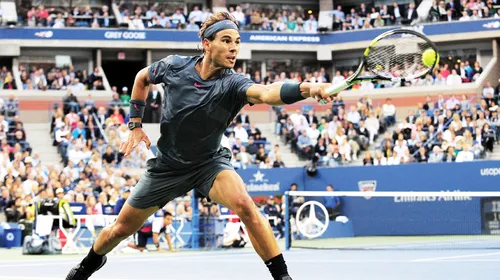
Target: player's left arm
{"x": 280, "y": 93}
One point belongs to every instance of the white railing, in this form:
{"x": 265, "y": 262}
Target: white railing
{"x": 74, "y": 240}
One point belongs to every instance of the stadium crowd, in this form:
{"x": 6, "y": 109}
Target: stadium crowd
{"x": 56, "y": 78}
{"x": 249, "y": 146}
{"x": 38, "y": 78}
{"x": 452, "y": 129}
{"x": 60, "y": 17}
{"x": 366, "y": 17}
{"x": 450, "y": 72}
{"x": 339, "y": 135}
{"x": 253, "y": 17}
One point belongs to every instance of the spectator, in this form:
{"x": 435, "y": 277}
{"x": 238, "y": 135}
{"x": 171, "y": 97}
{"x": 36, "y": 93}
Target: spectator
{"x": 487, "y": 137}
{"x": 465, "y": 155}
{"x": 368, "y": 160}
{"x": 488, "y": 90}
{"x": 243, "y": 157}
{"x": 274, "y": 215}
{"x": 178, "y": 20}
{"x": 311, "y": 25}
{"x": 240, "y": 133}
{"x": 192, "y": 26}
{"x": 332, "y": 204}
{"x": 476, "y": 71}
{"x": 453, "y": 78}
{"x": 239, "y": 15}
{"x": 9, "y": 82}
{"x": 304, "y": 145}
{"x": 196, "y": 16}
{"x": 436, "y": 156}
{"x": 13, "y": 210}
{"x": 389, "y": 112}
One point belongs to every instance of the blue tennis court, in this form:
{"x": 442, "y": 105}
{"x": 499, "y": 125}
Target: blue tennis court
{"x": 245, "y": 265}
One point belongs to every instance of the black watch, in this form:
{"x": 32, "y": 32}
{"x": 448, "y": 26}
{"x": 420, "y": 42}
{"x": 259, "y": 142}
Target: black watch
{"x": 133, "y": 125}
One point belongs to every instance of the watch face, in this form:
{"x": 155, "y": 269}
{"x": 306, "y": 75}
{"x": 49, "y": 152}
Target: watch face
{"x": 130, "y": 125}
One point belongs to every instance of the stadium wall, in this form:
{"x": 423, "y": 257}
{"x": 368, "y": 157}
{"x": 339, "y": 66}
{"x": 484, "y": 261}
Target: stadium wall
{"x": 467, "y": 176}
{"x": 395, "y": 215}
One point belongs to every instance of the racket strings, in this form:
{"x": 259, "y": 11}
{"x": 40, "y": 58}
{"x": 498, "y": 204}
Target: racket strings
{"x": 398, "y": 57}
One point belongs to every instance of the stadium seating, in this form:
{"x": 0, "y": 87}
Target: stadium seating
{"x": 141, "y": 15}
{"x": 441, "y": 130}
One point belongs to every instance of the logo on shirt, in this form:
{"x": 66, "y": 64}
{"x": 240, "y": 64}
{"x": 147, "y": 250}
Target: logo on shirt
{"x": 198, "y": 85}
{"x": 367, "y": 186}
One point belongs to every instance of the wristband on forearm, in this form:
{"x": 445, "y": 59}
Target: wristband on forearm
{"x": 137, "y": 108}
{"x": 290, "y": 93}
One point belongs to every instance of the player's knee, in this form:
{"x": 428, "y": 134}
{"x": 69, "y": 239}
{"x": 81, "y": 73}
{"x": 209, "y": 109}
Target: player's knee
{"x": 245, "y": 209}
{"x": 120, "y": 231}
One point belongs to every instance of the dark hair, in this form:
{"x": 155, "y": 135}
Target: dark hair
{"x": 168, "y": 214}
{"x": 219, "y": 16}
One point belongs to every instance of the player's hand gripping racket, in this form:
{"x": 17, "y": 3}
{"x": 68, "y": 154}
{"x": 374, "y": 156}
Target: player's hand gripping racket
{"x": 397, "y": 55}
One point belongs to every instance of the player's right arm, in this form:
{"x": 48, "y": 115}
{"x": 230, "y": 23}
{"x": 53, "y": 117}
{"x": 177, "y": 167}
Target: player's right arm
{"x": 139, "y": 94}
{"x": 280, "y": 93}
{"x": 152, "y": 74}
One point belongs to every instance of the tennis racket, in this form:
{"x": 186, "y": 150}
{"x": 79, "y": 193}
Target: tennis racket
{"x": 396, "y": 56}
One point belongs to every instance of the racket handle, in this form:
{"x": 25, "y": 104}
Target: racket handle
{"x": 334, "y": 90}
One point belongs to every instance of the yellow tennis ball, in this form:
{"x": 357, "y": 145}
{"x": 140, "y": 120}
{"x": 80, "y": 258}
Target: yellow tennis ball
{"x": 429, "y": 57}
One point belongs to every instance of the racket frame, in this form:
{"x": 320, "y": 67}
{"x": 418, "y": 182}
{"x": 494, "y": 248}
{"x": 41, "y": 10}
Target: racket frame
{"x": 356, "y": 78}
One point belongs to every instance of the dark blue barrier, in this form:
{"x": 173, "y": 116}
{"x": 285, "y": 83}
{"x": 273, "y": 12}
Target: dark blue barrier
{"x": 400, "y": 216}
{"x": 395, "y": 215}
{"x": 10, "y": 235}
{"x": 467, "y": 176}
{"x": 253, "y": 37}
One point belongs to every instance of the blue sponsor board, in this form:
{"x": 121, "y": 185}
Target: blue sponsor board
{"x": 252, "y": 37}
{"x": 394, "y": 215}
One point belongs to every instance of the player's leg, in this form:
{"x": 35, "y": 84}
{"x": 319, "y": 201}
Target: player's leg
{"x": 128, "y": 222}
{"x": 155, "y": 188}
{"x": 229, "y": 190}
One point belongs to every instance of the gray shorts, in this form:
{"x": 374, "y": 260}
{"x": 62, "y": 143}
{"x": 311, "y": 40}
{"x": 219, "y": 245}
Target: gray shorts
{"x": 161, "y": 184}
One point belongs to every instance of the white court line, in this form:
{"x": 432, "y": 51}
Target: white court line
{"x": 128, "y": 258}
{"x": 57, "y": 278}
{"x": 471, "y": 260}
{"x": 222, "y": 261}
{"x": 170, "y": 257}
{"x": 456, "y": 257}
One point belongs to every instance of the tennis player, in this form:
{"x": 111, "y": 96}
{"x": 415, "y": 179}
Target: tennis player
{"x": 202, "y": 96}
